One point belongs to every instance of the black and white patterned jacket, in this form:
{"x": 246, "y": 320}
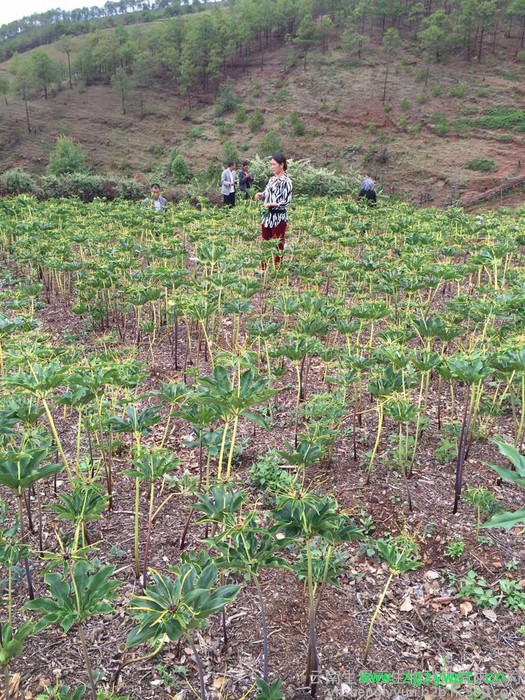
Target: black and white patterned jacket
{"x": 278, "y": 191}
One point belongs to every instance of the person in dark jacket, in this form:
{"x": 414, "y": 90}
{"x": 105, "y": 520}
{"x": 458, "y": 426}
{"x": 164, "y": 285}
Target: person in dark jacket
{"x": 367, "y": 190}
{"x": 245, "y": 179}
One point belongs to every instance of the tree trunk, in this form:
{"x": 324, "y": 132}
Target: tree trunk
{"x": 386, "y": 81}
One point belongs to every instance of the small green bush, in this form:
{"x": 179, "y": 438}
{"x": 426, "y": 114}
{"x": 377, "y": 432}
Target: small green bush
{"x": 229, "y": 152}
{"x": 436, "y": 90}
{"x": 440, "y": 121}
{"x": 459, "y": 90}
{"x": 509, "y": 118}
{"x": 179, "y": 170}
{"x": 297, "y": 123}
{"x": 18, "y": 181}
{"x": 483, "y": 165}
{"x": 271, "y": 143}
{"x": 67, "y": 157}
{"x": 421, "y": 98}
{"x": 88, "y": 187}
{"x": 240, "y": 116}
{"x": 226, "y": 102}
{"x": 308, "y": 179}
{"x": 255, "y": 121}
{"x": 405, "y": 104}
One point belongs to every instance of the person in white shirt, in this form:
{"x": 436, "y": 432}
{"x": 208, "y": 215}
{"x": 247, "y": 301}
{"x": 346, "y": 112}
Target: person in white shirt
{"x": 155, "y": 201}
{"x": 228, "y": 184}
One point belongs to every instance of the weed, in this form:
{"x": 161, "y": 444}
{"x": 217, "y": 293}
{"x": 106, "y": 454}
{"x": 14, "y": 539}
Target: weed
{"x": 502, "y": 118}
{"x": 478, "y": 590}
{"x": 255, "y": 121}
{"x": 436, "y": 90}
{"x": 440, "y": 121}
{"x": 405, "y": 104}
{"x": 421, "y": 98}
{"x": 455, "y": 547}
{"x": 513, "y": 594}
{"x": 297, "y": 123}
{"x": 267, "y": 474}
{"x": 458, "y": 90}
{"x": 483, "y": 165}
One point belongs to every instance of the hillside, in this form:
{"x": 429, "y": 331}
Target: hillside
{"x": 418, "y": 143}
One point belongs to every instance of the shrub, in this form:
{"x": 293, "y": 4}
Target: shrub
{"x": 180, "y": 172}
{"x": 178, "y": 168}
{"x": 229, "y": 152}
{"x": 421, "y": 98}
{"x": 226, "y": 102}
{"x": 502, "y": 118}
{"x": 255, "y": 121}
{"x": 440, "y": 121}
{"x": 436, "y": 90}
{"x": 67, "y": 157}
{"x": 241, "y": 115}
{"x": 298, "y": 125}
{"x": 17, "y": 181}
{"x": 459, "y": 90}
{"x": 308, "y": 179}
{"x": 482, "y": 164}
{"x": 270, "y": 144}
{"x": 405, "y": 104}
{"x": 88, "y": 187}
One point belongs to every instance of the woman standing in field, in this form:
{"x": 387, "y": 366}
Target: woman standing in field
{"x": 276, "y": 197}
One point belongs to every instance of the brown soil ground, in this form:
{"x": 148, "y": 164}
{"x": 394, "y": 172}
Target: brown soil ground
{"x": 423, "y": 626}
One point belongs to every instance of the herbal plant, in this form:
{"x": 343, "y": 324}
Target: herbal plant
{"x": 138, "y": 424}
{"x": 247, "y": 548}
{"x": 19, "y": 470}
{"x": 151, "y": 465}
{"x": 233, "y": 397}
{"x": 270, "y": 691}
{"x": 173, "y": 608}
{"x": 472, "y": 370}
{"x": 11, "y": 645}
{"x": 77, "y": 594}
{"x": 401, "y": 555}
{"x": 483, "y": 500}
{"x": 304, "y": 517}
{"x": 41, "y": 381}
{"x": 508, "y": 519}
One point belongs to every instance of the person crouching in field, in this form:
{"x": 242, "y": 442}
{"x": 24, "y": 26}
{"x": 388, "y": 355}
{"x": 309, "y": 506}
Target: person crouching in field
{"x": 367, "y": 190}
{"x": 276, "y": 197}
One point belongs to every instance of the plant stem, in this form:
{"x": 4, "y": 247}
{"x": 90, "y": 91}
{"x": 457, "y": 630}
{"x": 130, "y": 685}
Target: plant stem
{"x": 87, "y": 661}
{"x": 22, "y": 537}
{"x": 6, "y": 682}
{"x": 264, "y": 627}
{"x": 199, "y": 666}
{"x": 136, "y": 538}
{"x": 374, "y": 616}
{"x": 55, "y": 435}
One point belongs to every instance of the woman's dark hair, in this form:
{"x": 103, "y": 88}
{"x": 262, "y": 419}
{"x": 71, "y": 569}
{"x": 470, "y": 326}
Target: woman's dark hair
{"x": 154, "y": 184}
{"x": 245, "y": 162}
{"x": 281, "y": 159}
{"x": 230, "y": 163}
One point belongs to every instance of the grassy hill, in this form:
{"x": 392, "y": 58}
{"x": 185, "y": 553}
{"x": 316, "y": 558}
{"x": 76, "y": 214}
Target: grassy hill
{"x": 427, "y": 143}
